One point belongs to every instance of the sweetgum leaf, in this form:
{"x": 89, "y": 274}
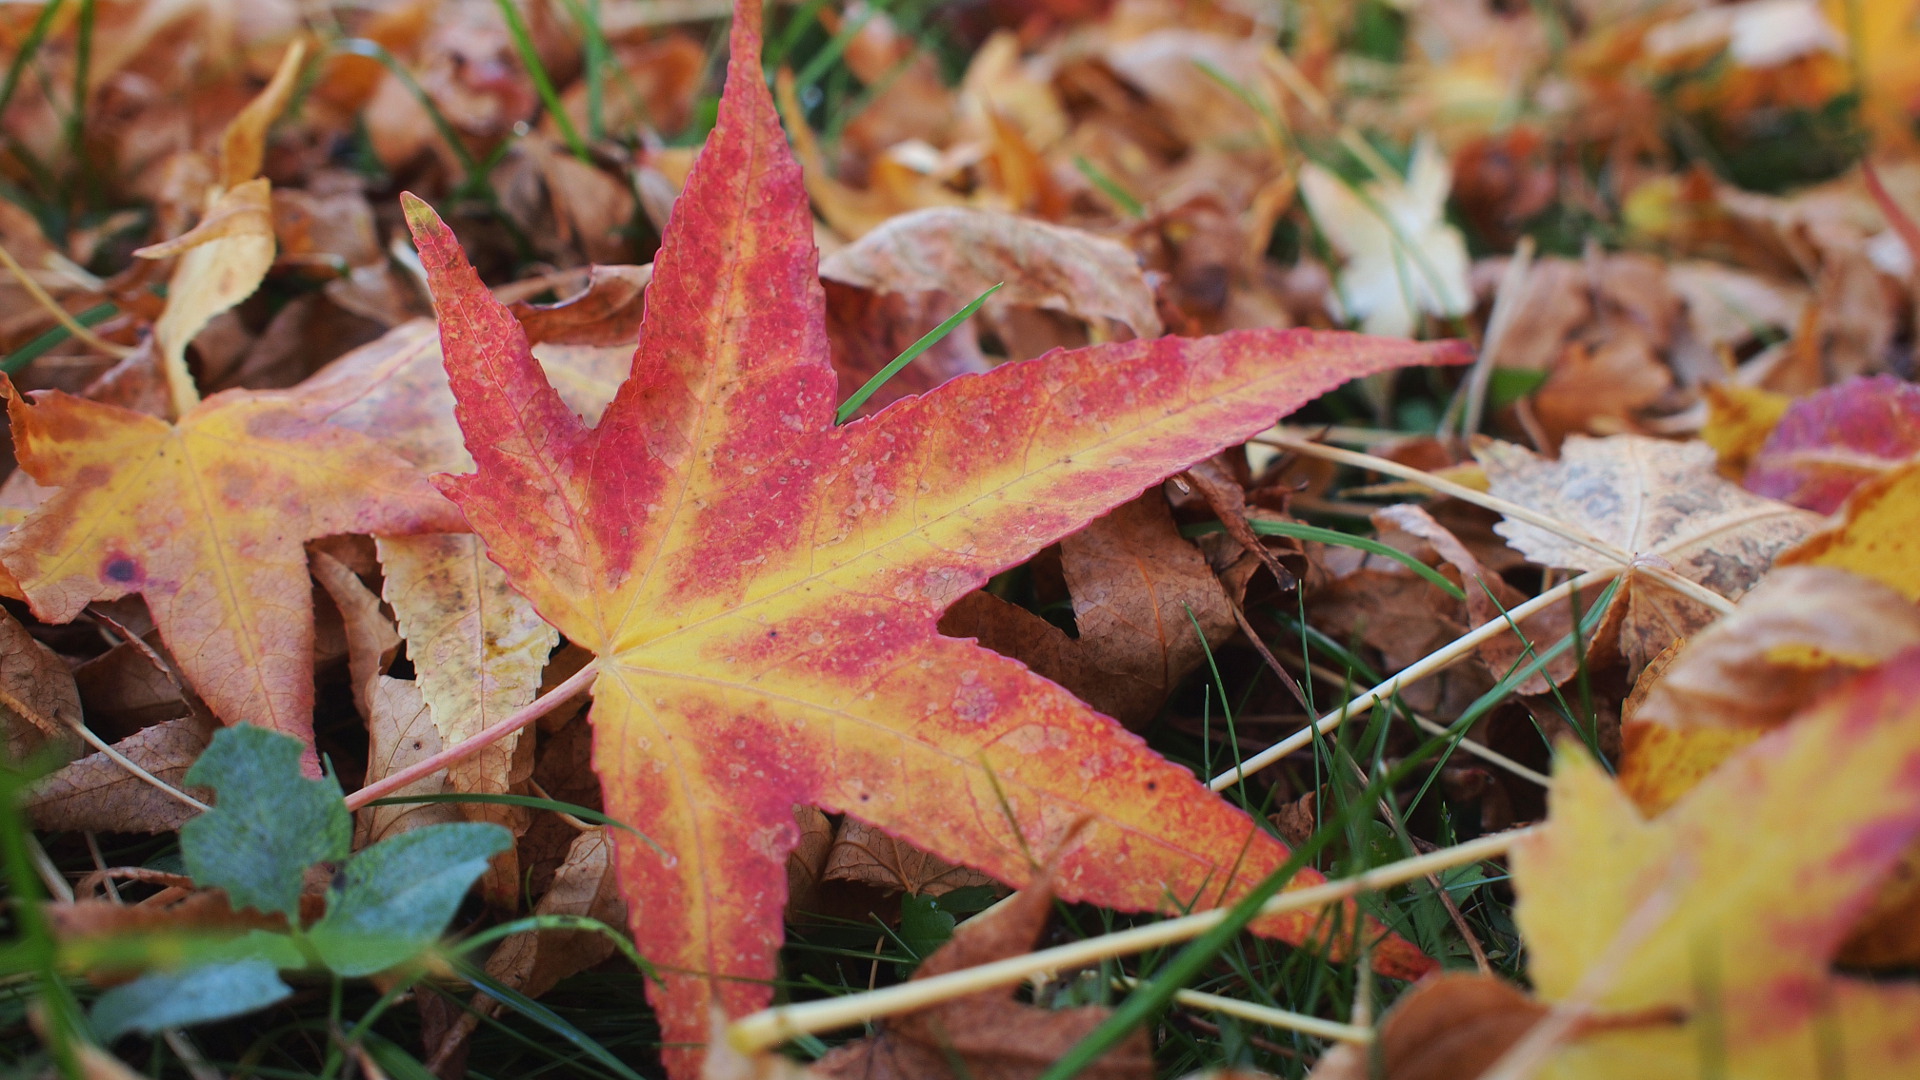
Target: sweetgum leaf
{"x": 206, "y": 519}
{"x": 269, "y": 824}
{"x": 395, "y": 897}
{"x": 762, "y": 586}
{"x": 170, "y": 999}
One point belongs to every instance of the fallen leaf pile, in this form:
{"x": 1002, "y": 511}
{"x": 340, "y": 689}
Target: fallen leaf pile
{"x": 804, "y": 502}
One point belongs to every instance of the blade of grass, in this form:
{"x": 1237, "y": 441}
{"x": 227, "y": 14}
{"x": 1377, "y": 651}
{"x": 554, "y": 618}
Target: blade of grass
{"x": 559, "y": 922}
{"x": 1299, "y": 531}
{"x": 830, "y": 53}
{"x": 29, "y": 47}
{"x": 913, "y": 351}
{"x": 40, "y": 346}
{"x": 63, "y": 1028}
{"x": 548, "y": 1019}
{"x": 542, "y": 84}
{"x": 82, "y": 78}
{"x": 1109, "y": 187}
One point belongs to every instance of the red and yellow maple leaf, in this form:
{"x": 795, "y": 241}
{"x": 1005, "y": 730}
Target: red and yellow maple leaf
{"x": 762, "y": 587}
{"x": 206, "y": 519}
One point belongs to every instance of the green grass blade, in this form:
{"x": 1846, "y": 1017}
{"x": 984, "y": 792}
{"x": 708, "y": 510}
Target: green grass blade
{"x": 547, "y": 1018}
{"x": 29, "y": 46}
{"x": 530, "y": 59}
{"x": 1110, "y": 187}
{"x": 927, "y": 341}
{"x": 1333, "y": 536}
{"x": 41, "y": 345}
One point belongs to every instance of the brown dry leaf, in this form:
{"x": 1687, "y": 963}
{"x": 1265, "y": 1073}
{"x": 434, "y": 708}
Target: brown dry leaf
{"x": 39, "y": 703}
{"x": 584, "y": 885}
{"x": 868, "y": 855}
{"x": 98, "y": 794}
{"x": 372, "y": 641}
{"x": 400, "y": 731}
{"x": 986, "y": 1036}
{"x": 123, "y": 691}
{"x": 964, "y": 252}
{"x": 1798, "y": 633}
{"x": 1448, "y": 1027}
{"x": 808, "y": 859}
{"x": 1551, "y": 305}
{"x": 1214, "y": 479}
{"x": 1146, "y": 603}
{"x": 1134, "y": 580}
{"x": 1602, "y": 389}
{"x": 1651, "y": 499}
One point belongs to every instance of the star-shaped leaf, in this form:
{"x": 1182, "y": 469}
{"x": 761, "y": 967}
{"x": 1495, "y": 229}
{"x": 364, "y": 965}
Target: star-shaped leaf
{"x": 206, "y": 519}
{"x": 1651, "y": 499}
{"x": 762, "y": 587}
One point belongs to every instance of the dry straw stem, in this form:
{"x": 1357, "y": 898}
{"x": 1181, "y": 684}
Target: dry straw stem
{"x": 1638, "y": 562}
{"x": 1264, "y": 1014}
{"x": 53, "y": 308}
{"x": 1413, "y": 673}
{"x": 770, "y": 1027}
{"x": 1434, "y": 727}
{"x": 466, "y": 748}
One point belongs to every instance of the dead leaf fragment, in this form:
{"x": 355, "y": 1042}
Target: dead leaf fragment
{"x": 1448, "y": 1027}
{"x": 39, "y": 703}
{"x": 1647, "y": 498}
{"x": 964, "y": 252}
{"x": 865, "y": 854}
{"x": 98, "y": 794}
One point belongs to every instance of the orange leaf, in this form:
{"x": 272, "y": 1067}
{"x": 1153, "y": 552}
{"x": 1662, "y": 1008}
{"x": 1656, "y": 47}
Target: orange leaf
{"x": 762, "y": 587}
{"x": 206, "y": 519}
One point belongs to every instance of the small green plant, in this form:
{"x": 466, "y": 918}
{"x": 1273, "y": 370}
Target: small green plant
{"x": 386, "y": 908}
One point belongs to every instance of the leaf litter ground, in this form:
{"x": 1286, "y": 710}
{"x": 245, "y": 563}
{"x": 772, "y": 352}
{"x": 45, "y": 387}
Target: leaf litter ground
{"x": 1116, "y": 171}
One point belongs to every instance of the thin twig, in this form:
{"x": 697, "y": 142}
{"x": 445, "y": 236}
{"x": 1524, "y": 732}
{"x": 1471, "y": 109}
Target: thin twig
{"x": 1434, "y": 727}
{"x": 50, "y": 875}
{"x": 1286, "y": 677}
{"x": 1445, "y": 657}
{"x": 1285, "y": 1019}
{"x": 466, "y": 748}
{"x": 770, "y": 1027}
{"x": 1506, "y": 307}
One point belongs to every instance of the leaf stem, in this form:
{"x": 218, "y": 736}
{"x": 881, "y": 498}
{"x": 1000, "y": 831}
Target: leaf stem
{"x": 770, "y": 1027}
{"x": 466, "y": 748}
